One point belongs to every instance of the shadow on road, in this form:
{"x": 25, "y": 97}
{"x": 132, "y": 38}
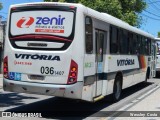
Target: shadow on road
{"x": 158, "y": 75}
{"x": 10, "y": 99}
{"x": 58, "y": 108}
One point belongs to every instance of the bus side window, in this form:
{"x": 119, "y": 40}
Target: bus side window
{"x": 138, "y": 44}
{"x": 123, "y": 39}
{"x": 143, "y": 46}
{"x": 89, "y": 35}
{"x": 146, "y": 46}
{"x": 114, "y": 40}
{"x": 130, "y": 43}
{"x": 149, "y": 46}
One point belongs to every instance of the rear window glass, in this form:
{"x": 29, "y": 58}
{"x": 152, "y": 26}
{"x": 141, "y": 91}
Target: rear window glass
{"x": 59, "y": 23}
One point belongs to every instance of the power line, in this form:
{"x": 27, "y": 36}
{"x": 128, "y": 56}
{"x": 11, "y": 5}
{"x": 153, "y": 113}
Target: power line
{"x": 150, "y": 8}
{"x": 157, "y": 3}
{"x": 153, "y": 2}
{"x": 149, "y": 17}
{"x": 154, "y": 6}
{"x": 151, "y": 13}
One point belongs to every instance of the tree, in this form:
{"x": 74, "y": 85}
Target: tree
{"x": 126, "y": 10}
{"x": 1, "y": 6}
{"x": 158, "y": 34}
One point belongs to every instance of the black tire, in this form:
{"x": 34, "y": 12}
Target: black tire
{"x": 147, "y": 76}
{"x": 146, "y": 79}
{"x": 117, "y": 89}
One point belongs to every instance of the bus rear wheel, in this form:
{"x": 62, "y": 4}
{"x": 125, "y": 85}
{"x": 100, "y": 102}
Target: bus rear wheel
{"x": 117, "y": 89}
{"x": 147, "y": 75}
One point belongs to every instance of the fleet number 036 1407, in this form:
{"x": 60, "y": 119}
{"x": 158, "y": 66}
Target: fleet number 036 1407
{"x": 50, "y": 70}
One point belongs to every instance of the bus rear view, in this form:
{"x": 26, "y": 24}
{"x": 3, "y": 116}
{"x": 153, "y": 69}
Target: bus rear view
{"x": 38, "y": 55}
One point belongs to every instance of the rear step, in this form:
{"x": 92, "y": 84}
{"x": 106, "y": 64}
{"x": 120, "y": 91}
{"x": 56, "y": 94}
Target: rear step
{"x": 98, "y": 98}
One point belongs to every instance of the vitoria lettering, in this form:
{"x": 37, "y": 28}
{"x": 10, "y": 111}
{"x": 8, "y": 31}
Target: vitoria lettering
{"x": 37, "y": 57}
{"x": 125, "y": 62}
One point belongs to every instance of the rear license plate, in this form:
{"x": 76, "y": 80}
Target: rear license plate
{"x": 36, "y": 77}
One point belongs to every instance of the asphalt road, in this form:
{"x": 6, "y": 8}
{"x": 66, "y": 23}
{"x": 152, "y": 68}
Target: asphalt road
{"x": 58, "y": 108}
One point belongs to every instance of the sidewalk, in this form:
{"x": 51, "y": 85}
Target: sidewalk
{"x": 146, "y": 107}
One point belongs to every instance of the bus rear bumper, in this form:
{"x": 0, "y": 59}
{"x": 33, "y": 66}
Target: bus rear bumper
{"x": 158, "y": 69}
{"x": 73, "y": 91}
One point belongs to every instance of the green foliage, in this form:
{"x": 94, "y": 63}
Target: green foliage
{"x": 126, "y": 10}
{"x": 131, "y": 10}
{"x": 1, "y": 6}
{"x": 108, "y": 6}
{"x": 158, "y": 34}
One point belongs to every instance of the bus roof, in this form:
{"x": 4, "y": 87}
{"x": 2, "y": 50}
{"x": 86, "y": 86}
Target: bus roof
{"x": 117, "y": 22}
{"x": 157, "y": 39}
{"x": 93, "y": 13}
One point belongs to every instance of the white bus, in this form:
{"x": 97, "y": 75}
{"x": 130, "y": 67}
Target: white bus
{"x": 158, "y": 55}
{"x": 69, "y": 50}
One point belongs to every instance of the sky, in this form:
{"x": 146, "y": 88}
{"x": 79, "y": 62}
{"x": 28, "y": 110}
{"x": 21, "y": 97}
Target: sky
{"x": 7, "y": 3}
{"x": 150, "y": 23}
{"x": 151, "y": 17}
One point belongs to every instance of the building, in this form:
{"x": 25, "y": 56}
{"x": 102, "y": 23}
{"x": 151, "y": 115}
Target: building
{"x": 2, "y": 32}
{"x": 2, "y": 39}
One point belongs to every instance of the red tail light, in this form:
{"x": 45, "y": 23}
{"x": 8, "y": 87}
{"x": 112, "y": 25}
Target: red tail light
{"x": 14, "y": 8}
{"x": 5, "y": 67}
{"x": 73, "y": 73}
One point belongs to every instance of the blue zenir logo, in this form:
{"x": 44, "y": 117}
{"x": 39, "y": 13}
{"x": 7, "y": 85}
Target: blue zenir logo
{"x": 46, "y": 20}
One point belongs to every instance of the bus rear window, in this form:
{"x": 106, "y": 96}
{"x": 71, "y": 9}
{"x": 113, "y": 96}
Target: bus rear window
{"x": 42, "y": 27}
{"x": 59, "y": 23}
